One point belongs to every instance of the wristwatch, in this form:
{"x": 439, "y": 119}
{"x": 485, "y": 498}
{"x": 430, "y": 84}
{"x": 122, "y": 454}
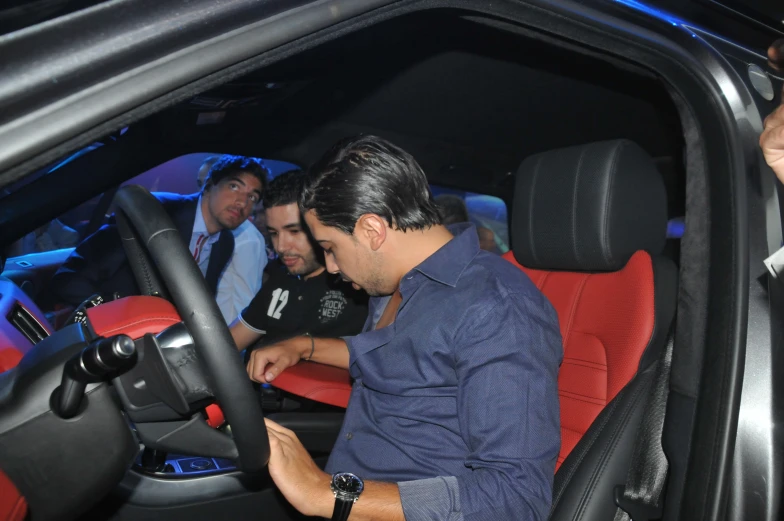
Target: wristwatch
{"x": 347, "y": 487}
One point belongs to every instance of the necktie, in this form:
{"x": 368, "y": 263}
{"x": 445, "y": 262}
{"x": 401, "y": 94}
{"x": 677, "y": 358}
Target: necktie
{"x": 199, "y": 246}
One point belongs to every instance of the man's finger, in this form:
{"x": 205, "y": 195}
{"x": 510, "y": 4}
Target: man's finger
{"x": 282, "y": 434}
{"x": 776, "y": 117}
{"x": 272, "y": 371}
{"x": 273, "y": 436}
{"x": 772, "y": 138}
{"x": 276, "y": 427}
{"x": 272, "y": 423}
{"x": 773, "y": 123}
{"x": 257, "y": 365}
{"x": 251, "y": 369}
{"x": 776, "y": 54}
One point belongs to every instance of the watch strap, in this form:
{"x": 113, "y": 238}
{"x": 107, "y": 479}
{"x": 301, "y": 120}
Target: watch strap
{"x": 342, "y": 509}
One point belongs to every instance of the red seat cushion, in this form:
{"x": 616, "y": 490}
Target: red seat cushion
{"x": 9, "y": 358}
{"x": 607, "y": 321}
{"x": 134, "y": 316}
{"x": 13, "y": 506}
{"x": 321, "y": 383}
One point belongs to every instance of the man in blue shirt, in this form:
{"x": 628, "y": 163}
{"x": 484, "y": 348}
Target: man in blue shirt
{"x": 454, "y": 411}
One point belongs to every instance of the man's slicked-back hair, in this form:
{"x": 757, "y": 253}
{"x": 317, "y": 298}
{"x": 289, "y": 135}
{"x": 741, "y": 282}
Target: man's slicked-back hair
{"x": 369, "y": 175}
{"x": 229, "y": 165}
{"x": 284, "y": 189}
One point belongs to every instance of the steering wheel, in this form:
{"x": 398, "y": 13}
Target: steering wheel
{"x": 152, "y": 240}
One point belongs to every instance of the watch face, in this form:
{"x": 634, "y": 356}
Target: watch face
{"x": 347, "y": 483}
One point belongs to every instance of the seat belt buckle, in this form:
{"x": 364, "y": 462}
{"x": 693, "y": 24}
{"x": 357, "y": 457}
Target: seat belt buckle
{"x": 637, "y": 510}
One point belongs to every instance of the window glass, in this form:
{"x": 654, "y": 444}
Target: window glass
{"x": 487, "y": 213}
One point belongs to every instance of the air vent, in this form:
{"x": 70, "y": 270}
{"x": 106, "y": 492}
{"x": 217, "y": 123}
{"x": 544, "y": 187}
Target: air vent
{"x": 26, "y": 324}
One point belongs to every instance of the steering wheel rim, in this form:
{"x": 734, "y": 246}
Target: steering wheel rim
{"x": 155, "y": 236}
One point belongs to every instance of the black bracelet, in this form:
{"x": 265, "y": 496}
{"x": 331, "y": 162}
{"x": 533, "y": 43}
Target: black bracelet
{"x": 312, "y": 345}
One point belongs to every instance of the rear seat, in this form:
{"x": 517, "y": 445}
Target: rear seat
{"x": 588, "y": 227}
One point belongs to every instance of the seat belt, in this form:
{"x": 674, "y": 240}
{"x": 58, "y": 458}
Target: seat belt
{"x": 99, "y": 213}
{"x": 640, "y": 499}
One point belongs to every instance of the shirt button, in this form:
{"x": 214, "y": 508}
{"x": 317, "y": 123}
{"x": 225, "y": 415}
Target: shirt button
{"x": 349, "y": 435}
{"x": 300, "y": 297}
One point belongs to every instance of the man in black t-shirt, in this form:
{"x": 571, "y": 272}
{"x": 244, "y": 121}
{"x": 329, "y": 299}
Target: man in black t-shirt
{"x": 300, "y": 302}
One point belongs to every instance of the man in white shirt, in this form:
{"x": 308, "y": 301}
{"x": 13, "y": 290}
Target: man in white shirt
{"x": 214, "y": 223}
{"x": 241, "y": 279}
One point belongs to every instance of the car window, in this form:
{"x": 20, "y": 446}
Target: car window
{"x": 177, "y": 176}
{"x": 487, "y": 213}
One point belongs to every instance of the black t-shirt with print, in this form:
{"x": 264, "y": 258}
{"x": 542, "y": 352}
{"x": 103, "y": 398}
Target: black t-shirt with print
{"x": 286, "y": 306}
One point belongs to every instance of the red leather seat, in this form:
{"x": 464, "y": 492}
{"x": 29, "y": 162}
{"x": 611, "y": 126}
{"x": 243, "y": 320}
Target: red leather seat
{"x": 13, "y": 506}
{"x": 588, "y": 227}
{"x": 607, "y": 321}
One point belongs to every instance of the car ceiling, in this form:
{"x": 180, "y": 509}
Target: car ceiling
{"x": 468, "y": 100}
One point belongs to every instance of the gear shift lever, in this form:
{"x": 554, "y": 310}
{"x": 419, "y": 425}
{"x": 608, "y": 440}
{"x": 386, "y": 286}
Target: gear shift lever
{"x": 102, "y": 360}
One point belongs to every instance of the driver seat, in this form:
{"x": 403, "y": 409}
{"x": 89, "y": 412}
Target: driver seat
{"x": 588, "y": 227}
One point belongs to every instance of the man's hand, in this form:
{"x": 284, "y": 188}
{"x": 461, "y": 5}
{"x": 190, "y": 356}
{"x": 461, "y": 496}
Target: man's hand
{"x": 306, "y": 486}
{"x": 296, "y": 475}
{"x": 266, "y": 363}
{"x": 772, "y": 141}
{"x": 776, "y": 55}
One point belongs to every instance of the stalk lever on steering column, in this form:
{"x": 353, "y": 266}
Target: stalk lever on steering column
{"x": 102, "y": 360}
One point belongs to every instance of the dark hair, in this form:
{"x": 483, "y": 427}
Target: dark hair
{"x": 452, "y": 209}
{"x": 284, "y": 189}
{"x": 368, "y": 174}
{"x": 229, "y": 165}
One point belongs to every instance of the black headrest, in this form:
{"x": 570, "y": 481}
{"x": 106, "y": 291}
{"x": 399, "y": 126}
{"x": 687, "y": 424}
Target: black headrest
{"x": 588, "y": 208}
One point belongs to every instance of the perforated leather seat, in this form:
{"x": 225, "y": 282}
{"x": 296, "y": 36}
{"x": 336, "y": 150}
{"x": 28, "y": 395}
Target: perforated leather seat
{"x": 588, "y": 226}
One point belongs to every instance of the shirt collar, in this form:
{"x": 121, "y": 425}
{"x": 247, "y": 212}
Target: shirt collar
{"x": 199, "y": 226}
{"x": 448, "y": 263}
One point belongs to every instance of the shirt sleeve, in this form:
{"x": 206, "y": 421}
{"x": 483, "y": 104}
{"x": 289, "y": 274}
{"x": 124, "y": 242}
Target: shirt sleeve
{"x": 513, "y": 445}
{"x": 254, "y": 317}
{"x": 242, "y": 279}
{"x": 434, "y": 498}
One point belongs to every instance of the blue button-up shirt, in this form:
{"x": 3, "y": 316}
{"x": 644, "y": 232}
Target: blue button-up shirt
{"x": 457, "y": 399}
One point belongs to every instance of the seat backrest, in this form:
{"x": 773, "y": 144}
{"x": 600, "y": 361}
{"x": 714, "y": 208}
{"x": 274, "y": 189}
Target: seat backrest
{"x": 588, "y": 225}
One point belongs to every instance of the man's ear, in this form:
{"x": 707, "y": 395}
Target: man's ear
{"x": 372, "y": 230}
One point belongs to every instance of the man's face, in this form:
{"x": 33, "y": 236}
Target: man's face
{"x": 351, "y": 257}
{"x": 290, "y": 240}
{"x": 231, "y": 200}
